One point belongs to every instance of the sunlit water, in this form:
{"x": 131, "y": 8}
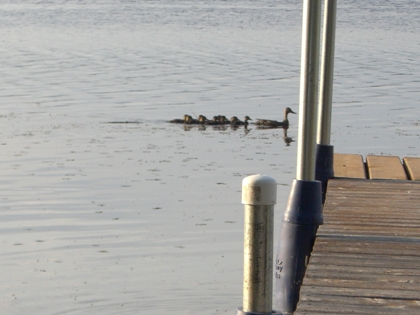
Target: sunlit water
{"x": 102, "y": 218}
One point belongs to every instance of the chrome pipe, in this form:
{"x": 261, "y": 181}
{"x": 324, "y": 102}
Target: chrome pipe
{"x": 327, "y": 73}
{"x": 308, "y": 90}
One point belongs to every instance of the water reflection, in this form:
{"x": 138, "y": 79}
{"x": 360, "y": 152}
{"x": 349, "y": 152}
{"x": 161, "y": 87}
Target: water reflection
{"x": 246, "y": 129}
{"x": 287, "y": 139}
{"x": 202, "y": 127}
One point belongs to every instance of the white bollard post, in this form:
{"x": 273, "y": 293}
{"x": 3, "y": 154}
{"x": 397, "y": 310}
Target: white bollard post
{"x": 259, "y": 195}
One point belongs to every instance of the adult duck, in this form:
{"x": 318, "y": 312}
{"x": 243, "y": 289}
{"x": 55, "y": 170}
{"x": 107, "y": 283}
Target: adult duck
{"x": 274, "y": 123}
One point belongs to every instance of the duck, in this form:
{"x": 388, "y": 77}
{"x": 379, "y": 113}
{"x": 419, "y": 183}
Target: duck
{"x": 184, "y": 120}
{"x": 274, "y": 123}
{"x": 199, "y": 120}
{"x": 234, "y": 121}
{"x": 223, "y": 120}
{"x": 202, "y": 119}
{"x": 214, "y": 121}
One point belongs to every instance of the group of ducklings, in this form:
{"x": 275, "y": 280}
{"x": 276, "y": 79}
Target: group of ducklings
{"x": 235, "y": 121}
{"x": 217, "y": 120}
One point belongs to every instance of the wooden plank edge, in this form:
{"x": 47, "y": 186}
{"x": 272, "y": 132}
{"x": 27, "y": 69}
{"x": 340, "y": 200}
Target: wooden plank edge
{"x": 349, "y": 166}
{"x": 412, "y": 167}
{"x": 385, "y": 167}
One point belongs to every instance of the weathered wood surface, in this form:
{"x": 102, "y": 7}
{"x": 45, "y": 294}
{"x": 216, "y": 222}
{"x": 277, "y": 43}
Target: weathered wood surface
{"x": 378, "y": 167}
{"x": 412, "y": 165}
{"x": 366, "y": 258}
{"x": 349, "y": 165}
{"x": 385, "y": 167}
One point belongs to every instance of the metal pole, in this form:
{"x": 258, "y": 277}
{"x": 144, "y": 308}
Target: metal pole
{"x": 308, "y": 90}
{"x": 259, "y": 195}
{"x": 303, "y": 213}
{"x": 324, "y": 151}
{"x": 327, "y": 73}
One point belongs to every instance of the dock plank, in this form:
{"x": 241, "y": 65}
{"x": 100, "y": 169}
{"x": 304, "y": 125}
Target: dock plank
{"x": 349, "y": 166}
{"x": 331, "y": 302}
{"x": 385, "y": 167}
{"x": 412, "y": 166}
{"x": 366, "y": 256}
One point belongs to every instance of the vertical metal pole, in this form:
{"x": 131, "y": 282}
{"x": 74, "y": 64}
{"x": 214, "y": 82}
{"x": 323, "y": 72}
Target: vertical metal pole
{"x": 259, "y": 194}
{"x": 303, "y": 212}
{"x": 308, "y": 90}
{"x": 324, "y": 151}
{"x": 327, "y": 73}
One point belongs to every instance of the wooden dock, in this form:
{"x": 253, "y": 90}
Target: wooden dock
{"x": 366, "y": 258}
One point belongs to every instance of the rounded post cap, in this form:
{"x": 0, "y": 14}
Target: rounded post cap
{"x": 240, "y": 311}
{"x": 259, "y": 190}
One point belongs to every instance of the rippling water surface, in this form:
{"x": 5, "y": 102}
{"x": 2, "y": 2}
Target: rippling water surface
{"x": 103, "y": 218}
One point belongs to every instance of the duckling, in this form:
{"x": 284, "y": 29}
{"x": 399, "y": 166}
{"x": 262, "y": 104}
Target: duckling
{"x": 246, "y": 119}
{"x": 223, "y": 120}
{"x": 202, "y": 119}
{"x": 214, "y": 121}
{"x": 197, "y": 121}
{"x": 236, "y": 122}
{"x": 188, "y": 119}
{"x": 274, "y": 123}
{"x": 180, "y": 121}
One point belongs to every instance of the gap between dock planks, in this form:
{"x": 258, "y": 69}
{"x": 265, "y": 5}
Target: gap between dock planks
{"x": 366, "y": 258}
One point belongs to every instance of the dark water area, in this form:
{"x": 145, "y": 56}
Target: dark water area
{"x": 104, "y": 218}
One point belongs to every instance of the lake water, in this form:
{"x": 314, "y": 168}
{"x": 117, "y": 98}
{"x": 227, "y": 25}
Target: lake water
{"x": 101, "y": 218}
